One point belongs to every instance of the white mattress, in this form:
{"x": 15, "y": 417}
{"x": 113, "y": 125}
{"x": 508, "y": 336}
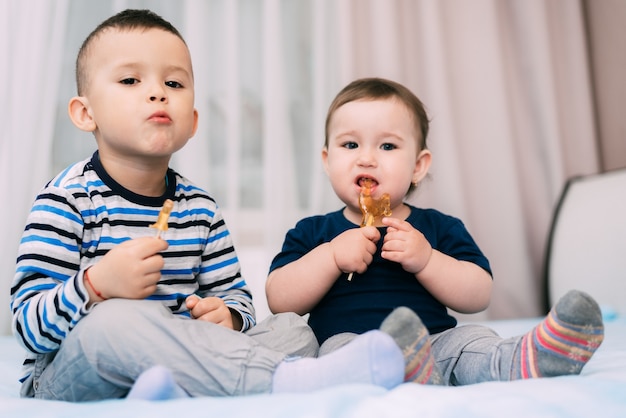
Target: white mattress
{"x": 600, "y": 391}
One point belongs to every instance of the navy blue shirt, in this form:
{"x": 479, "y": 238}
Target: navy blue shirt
{"x": 363, "y": 303}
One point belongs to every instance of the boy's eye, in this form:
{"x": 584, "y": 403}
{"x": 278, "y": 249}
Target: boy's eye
{"x": 350, "y": 145}
{"x": 173, "y": 84}
{"x": 387, "y": 147}
{"x": 129, "y": 81}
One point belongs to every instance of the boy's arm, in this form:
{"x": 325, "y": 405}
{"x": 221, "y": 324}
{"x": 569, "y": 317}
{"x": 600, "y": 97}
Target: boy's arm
{"x": 213, "y": 309}
{"x": 48, "y": 296}
{"x": 220, "y": 275}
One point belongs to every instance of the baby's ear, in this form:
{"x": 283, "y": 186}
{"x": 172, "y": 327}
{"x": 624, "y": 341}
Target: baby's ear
{"x": 80, "y": 114}
{"x": 422, "y": 164}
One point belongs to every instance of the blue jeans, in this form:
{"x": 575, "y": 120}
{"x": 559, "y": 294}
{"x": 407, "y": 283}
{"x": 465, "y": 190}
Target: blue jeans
{"x": 465, "y": 355}
{"x": 109, "y": 348}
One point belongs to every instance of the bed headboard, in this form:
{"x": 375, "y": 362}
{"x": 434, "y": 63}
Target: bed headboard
{"x": 587, "y": 243}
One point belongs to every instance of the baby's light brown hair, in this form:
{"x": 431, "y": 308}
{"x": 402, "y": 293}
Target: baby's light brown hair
{"x": 380, "y": 88}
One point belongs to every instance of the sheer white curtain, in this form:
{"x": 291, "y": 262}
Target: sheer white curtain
{"x": 31, "y": 48}
{"x": 505, "y": 81}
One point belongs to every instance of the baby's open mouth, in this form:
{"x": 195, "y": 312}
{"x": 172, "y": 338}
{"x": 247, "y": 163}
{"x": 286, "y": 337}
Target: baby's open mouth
{"x": 366, "y": 182}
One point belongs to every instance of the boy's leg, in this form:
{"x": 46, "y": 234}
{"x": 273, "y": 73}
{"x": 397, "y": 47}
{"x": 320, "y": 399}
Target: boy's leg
{"x": 336, "y": 342}
{"x": 120, "y": 339}
{"x": 560, "y": 345}
{"x": 156, "y": 384}
{"x": 372, "y": 358}
{"x": 286, "y": 333}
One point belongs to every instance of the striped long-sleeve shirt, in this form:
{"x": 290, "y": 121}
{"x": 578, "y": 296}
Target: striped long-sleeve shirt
{"x": 80, "y": 215}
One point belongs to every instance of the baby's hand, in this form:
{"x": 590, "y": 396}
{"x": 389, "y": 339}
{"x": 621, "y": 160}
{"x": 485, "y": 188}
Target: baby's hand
{"x": 210, "y": 309}
{"x": 354, "y": 249}
{"x": 131, "y": 270}
{"x": 405, "y": 245}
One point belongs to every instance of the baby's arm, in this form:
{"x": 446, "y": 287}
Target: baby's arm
{"x": 301, "y": 284}
{"x": 460, "y": 285}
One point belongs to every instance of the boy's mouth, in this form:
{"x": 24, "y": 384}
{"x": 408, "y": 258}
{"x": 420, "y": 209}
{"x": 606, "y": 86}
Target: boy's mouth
{"x": 160, "y": 117}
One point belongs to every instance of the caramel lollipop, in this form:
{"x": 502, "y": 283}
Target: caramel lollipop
{"x": 164, "y": 215}
{"x": 371, "y": 208}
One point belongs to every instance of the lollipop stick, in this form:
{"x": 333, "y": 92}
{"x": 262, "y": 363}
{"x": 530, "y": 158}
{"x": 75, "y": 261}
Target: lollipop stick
{"x": 369, "y": 221}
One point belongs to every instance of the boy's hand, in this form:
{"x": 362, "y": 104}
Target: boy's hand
{"x": 405, "y": 245}
{"x": 131, "y": 270}
{"x": 210, "y": 309}
{"x": 354, "y": 249}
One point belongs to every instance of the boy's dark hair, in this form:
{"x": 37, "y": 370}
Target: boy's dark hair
{"x": 380, "y": 88}
{"x": 126, "y": 20}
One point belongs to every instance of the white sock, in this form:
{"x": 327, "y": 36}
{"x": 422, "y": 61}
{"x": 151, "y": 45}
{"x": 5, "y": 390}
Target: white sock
{"x": 372, "y": 358}
{"x": 156, "y": 384}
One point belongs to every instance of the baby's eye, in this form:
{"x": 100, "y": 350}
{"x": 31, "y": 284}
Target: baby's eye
{"x": 129, "y": 81}
{"x": 388, "y": 147}
{"x": 350, "y": 145}
{"x": 173, "y": 84}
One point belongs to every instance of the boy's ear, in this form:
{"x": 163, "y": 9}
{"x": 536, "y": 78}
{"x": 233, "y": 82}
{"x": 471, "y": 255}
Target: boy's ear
{"x": 80, "y": 114}
{"x": 422, "y": 164}
{"x": 195, "y": 122}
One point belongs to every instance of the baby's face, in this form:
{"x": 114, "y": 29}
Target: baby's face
{"x": 140, "y": 93}
{"x": 374, "y": 139}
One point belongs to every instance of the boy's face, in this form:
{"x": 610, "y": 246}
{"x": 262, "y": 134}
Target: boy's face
{"x": 373, "y": 139}
{"x": 140, "y": 93}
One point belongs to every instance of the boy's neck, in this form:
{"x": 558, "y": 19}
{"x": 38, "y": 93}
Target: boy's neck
{"x": 140, "y": 177}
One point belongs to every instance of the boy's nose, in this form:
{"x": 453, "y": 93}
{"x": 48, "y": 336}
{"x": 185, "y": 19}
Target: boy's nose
{"x": 156, "y": 92}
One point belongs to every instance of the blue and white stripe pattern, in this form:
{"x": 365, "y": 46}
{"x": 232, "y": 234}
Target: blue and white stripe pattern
{"x": 83, "y": 213}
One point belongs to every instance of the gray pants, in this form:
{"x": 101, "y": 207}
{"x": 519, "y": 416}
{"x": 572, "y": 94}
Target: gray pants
{"x": 109, "y": 348}
{"x": 465, "y": 355}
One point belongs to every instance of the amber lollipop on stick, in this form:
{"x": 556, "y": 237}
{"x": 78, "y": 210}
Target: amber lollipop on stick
{"x": 371, "y": 208}
{"x": 164, "y": 215}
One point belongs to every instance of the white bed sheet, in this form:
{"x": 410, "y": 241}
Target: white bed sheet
{"x": 600, "y": 391}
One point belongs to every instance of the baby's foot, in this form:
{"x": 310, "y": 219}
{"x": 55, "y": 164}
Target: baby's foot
{"x": 564, "y": 341}
{"x": 413, "y": 338}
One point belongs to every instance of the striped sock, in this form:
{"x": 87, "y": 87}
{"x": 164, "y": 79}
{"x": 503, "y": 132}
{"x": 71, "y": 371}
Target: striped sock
{"x": 413, "y": 338}
{"x": 563, "y": 342}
